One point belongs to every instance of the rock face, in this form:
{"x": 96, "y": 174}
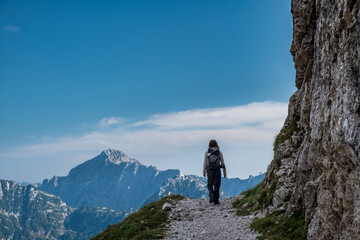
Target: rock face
{"x": 317, "y": 162}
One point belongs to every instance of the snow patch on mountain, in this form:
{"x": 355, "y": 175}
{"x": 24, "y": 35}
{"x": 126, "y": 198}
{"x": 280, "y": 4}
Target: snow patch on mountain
{"x": 118, "y": 157}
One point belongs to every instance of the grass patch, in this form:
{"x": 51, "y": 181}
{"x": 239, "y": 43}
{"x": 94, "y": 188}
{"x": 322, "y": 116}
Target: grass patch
{"x": 286, "y": 133}
{"x": 256, "y": 198}
{"x": 277, "y": 226}
{"x": 147, "y": 223}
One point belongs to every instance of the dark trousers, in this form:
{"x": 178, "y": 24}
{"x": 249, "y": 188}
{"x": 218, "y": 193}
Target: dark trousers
{"x": 214, "y": 182}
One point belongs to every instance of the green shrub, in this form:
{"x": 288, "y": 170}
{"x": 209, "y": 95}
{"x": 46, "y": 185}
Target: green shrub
{"x": 286, "y": 133}
{"x": 147, "y": 223}
{"x": 256, "y": 198}
{"x": 278, "y": 226}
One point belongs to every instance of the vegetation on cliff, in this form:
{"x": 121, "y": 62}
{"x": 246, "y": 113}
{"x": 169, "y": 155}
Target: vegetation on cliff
{"x": 279, "y": 226}
{"x": 286, "y": 132}
{"x": 276, "y": 224}
{"x": 256, "y": 198}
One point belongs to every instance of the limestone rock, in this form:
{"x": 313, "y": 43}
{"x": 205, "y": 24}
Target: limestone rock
{"x": 317, "y": 168}
{"x": 166, "y": 207}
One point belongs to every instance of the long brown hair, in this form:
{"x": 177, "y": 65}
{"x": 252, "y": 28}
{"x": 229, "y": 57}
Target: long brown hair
{"x": 213, "y": 143}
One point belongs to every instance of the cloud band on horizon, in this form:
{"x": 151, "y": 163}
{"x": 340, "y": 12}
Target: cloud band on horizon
{"x": 240, "y": 125}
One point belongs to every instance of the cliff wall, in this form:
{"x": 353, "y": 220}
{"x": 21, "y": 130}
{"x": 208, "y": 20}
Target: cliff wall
{"x": 316, "y": 154}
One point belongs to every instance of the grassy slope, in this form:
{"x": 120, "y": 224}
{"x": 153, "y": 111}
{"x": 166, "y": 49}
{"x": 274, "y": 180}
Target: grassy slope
{"x": 147, "y": 223}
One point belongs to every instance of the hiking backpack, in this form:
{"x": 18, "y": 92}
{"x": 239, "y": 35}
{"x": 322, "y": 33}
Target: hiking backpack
{"x": 214, "y": 160}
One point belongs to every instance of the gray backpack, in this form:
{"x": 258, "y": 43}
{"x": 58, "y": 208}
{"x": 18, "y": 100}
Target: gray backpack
{"x": 214, "y": 159}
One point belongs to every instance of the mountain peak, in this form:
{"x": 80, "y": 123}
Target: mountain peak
{"x": 118, "y": 157}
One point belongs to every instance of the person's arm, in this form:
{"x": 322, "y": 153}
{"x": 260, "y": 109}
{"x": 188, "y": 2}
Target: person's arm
{"x": 205, "y": 165}
{"x": 223, "y": 164}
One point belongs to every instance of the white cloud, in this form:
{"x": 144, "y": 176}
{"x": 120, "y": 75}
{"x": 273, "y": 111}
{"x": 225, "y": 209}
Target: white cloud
{"x": 105, "y": 122}
{"x": 164, "y": 139}
{"x": 229, "y": 117}
{"x": 11, "y": 28}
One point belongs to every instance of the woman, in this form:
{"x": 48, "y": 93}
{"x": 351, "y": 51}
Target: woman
{"x": 213, "y": 161}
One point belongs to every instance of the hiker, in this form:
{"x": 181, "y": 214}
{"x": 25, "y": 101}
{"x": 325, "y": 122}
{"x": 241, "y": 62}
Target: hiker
{"x": 213, "y": 161}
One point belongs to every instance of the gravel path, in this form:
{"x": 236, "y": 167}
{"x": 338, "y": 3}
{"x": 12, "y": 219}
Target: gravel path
{"x": 198, "y": 219}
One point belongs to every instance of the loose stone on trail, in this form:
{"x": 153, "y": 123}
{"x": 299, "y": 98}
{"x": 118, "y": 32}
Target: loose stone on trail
{"x": 198, "y": 219}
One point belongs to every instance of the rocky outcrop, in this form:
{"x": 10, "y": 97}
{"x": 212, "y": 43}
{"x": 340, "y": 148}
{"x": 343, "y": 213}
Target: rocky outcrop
{"x": 316, "y": 161}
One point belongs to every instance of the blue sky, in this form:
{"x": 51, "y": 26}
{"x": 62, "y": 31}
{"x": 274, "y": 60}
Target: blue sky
{"x": 110, "y": 69}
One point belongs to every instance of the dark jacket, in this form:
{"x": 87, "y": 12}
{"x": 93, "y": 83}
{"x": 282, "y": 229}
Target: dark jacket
{"x": 206, "y": 161}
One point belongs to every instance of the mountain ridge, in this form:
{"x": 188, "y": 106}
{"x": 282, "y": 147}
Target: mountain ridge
{"x": 112, "y": 174}
{"x": 123, "y": 179}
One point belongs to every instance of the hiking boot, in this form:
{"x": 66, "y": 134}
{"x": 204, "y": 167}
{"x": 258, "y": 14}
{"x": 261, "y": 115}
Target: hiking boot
{"x": 211, "y": 200}
{"x": 216, "y": 202}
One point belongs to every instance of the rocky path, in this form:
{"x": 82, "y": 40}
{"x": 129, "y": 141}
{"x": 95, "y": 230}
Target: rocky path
{"x": 198, "y": 219}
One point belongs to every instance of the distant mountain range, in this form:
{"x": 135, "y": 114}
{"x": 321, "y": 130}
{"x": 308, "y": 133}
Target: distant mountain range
{"x": 115, "y": 180}
{"x": 27, "y": 213}
{"x": 235, "y": 186}
{"x": 111, "y": 179}
{"x": 96, "y": 193}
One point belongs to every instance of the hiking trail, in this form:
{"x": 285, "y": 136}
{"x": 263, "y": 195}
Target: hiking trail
{"x": 198, "y": 219}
